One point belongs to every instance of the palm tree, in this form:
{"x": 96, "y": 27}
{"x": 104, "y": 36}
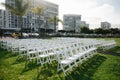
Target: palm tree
{"x": 19, "y": 9}
{"x": 55, "y": 20}
{"x": 39, "y": 11}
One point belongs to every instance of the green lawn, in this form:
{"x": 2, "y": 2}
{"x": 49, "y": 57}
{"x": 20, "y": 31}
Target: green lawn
{"x": 101, "y": 67}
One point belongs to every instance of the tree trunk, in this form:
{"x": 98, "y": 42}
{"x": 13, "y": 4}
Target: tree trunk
{"x": 55, "y": 26}
{"x": 39, "y": 24}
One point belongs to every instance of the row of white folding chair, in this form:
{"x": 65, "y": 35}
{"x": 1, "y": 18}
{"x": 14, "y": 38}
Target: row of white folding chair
{"x": 108, "y": 44}
{"x": 89, "y": 47}
{"x": 23, "y": 47}
{"x": 1, "y": 43}
{"x": 46, "y": 55}
{"x": 35, "y": 41}
{"x": 69, "y": 55}
{"x": 34, "y": 51}
{"x": 85, "y": 48}
{"x": 7, "y": 44}
{"x": 43, "y": 54}
{"x": 97, "y": 43}
{"x": 28, "y": 50}
{"x": 27, "y": 42}
{"x": 45, "y": 47}
{"x": 14, "y": 46}
{"x": 4, "y": 44}
{"x": 64, "y": 59}
{"x": 51, "y": 43}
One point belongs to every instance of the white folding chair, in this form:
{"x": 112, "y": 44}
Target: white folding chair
{"x": 22, "y": 50}
{"x": 63, "y": 61}
{"x": 43, "y": 56}
{"x": 31, "y": 52}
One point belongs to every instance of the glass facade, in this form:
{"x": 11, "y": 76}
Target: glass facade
{"x": 31, "y": 19}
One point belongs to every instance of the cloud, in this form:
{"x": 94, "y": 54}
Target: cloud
{"x": 1, "y": 6}
{"x": 92, "y": 11}
{"x": 105, "y": 12}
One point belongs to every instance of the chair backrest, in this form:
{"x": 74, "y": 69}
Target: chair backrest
{"x": 61, "y": 54}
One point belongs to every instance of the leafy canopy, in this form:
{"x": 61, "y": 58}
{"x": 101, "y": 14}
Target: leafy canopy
{"x": 55, "y": 19}
{"x": 38, "y": 10}
{"x": 20, "y": 7}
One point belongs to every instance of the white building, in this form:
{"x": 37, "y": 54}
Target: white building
{"x": 51, "y": 10}
{"x": 31, "y": 19}
{"x": 72, "y": 22}
{"x": 2, "y": 18}
{"x": 105, "y": 25}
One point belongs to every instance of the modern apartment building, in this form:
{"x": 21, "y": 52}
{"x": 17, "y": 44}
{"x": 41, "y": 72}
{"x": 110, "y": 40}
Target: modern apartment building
{"x": 2, "y": 18}
{"x": 31, "y": 19}
{"x": 105, "y": 25}
{"x": 72, "y": 22}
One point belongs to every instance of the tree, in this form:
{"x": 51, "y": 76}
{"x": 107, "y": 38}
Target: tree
{"x": 91, "y": 31}
{"x": 85, "y": 30}
{"x": 102, "y": 31}
{"x": 55, "y": 20}
{"x": 19, "y": 9}
{"x": 38, "y": 10}
{"x": 98, "y": 31}
{"x": 114, "y": 31}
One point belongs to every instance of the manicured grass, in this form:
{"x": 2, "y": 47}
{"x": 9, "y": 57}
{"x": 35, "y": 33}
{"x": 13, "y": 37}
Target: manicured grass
{"x": 101, "y": 67}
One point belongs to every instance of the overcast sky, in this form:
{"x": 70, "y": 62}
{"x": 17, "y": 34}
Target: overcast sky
{"x": 92, "y": 11}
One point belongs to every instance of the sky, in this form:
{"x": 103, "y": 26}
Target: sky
{"x": 92, "y": 11}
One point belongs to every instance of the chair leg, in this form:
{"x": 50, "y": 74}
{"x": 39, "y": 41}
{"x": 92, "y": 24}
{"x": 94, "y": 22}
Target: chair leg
{"x": 63, "y": 70}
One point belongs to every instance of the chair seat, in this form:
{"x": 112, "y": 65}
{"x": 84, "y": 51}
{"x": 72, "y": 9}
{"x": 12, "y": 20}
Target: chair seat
{"x": 72, "y": 58}
{"x": 51, "y": 53}
{"x": 65, "y": 61}
{"x": 92, "y": 49}
{"x": 14, "y": 47}
{"x": 87, "y": 51}
{"x": 78, "y": 55}
{"x": 31, "y": 52}
{"x": 39, "y": 50}
{"x": 22, "y": 49}
{"x": 43, "y": 55}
